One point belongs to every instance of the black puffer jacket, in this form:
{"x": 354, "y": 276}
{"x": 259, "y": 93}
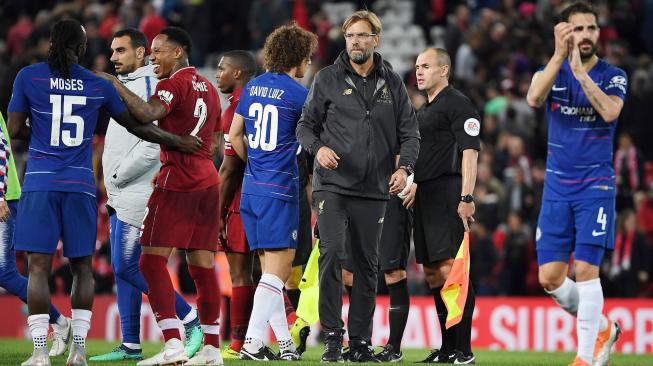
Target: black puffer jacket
{"x": 365, "y": 133}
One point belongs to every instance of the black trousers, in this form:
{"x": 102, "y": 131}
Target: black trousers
{"x": 362, "y": 219}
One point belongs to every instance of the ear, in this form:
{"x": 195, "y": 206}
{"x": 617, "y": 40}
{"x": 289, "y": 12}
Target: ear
{"x": 445, "y": 70}
{"x": 140, "y": 53}
{"x": 237, "y": 73}
{"x": 179, "y": 52}
{"x": 377, "y": 41}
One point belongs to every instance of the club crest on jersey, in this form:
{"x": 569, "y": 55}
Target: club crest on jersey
{"x": 166, "y": 96}
{"x": 472, "y": 126}
{"x": 320, "y": 208}
{"x": 347, "y": 91}
{"x": 294, "y": 235}
{"x": 619, "y": 82}
{"x": 385, "y": 96}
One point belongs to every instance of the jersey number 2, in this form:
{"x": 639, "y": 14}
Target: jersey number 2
{"x": 66, "y": 116}
{"x": 266, "y": 125}
{"x": 200, "y": 113}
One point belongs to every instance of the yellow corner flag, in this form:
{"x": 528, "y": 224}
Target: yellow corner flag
{"x": 454, "y": 291}
{"x": 310, "y": 286}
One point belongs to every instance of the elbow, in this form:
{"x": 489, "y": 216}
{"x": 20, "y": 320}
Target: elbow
{"x": 533, "y": 102}
{"x": 610, "y": 117}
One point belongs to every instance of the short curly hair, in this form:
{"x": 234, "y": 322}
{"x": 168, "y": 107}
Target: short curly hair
{"x": 288, "y": 46}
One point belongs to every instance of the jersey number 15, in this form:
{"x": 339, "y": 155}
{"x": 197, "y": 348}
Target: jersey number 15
{"x": 66, "y": 116}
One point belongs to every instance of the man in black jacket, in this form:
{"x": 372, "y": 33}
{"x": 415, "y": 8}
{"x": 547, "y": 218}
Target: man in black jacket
{"x": 355, "y": 119}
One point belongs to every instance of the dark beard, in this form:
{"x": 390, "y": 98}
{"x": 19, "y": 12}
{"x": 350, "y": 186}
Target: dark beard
{"x": 584, "y": 57}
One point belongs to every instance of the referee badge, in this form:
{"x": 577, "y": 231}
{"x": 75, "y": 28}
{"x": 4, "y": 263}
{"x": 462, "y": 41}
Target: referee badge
{"x": 472, "y": 126}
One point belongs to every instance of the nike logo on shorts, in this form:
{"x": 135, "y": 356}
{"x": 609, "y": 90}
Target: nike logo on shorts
{"x": 561, "y": 88}
{"x": 597, "y": 233}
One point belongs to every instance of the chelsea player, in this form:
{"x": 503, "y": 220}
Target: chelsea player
{"x": 62, "y": 100}
{"x": 583, "y": 96}
{"x": 266, "y": 117}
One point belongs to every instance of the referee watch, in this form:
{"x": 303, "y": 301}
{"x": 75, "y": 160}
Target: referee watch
{"x": 468, "y": 198}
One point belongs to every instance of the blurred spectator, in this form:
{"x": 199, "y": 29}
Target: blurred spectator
{"x": 151, "y": 23}
{"x": 629, "y": 171}
{"x": 265, "y": 16}
{"x": 519, "y": 196}
{"x": 516, "y": 252}
{"x": 628, "y": 267}
{"x": 484, "y": 259}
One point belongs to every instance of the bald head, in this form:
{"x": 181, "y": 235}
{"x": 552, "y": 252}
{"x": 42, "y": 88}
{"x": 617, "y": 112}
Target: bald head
{"x": 440, "y": 56}
{"x": 432, "y": 69}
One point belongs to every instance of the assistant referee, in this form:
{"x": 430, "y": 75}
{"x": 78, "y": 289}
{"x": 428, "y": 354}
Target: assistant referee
{"x": 445, "y": 173}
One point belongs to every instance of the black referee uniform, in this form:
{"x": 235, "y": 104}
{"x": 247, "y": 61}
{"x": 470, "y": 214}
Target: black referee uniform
{"x": 448, "y": 125}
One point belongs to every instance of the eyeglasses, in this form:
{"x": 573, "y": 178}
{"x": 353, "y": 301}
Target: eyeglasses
{"x": 351, "y": 36}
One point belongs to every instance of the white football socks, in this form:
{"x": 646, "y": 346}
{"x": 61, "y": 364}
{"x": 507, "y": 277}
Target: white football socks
{"x": 590, "y": 307}
{"x": 566, "y": 296}
{"x": 38, "y": 328}
{"x": 81, "y": 323}
{"x": 266, "y": 297}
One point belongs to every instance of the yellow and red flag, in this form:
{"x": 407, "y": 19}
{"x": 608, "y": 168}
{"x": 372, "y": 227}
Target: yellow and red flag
{"x": 454, "y": 291}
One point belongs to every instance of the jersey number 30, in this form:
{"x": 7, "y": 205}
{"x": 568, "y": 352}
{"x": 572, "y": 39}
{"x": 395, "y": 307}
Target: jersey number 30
{"x": 66, "y": 116}
{"x": 266, "y": 125}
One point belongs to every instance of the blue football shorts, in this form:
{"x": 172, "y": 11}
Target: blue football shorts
{"x": 270, "y": 223}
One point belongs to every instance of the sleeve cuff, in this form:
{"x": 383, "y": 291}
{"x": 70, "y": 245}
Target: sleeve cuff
{"x": 317, "y": 145}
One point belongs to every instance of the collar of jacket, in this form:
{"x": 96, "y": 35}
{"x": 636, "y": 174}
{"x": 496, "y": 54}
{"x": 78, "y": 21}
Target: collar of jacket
{"x": 380, "y": 65}
{"x": 141, "y": 72}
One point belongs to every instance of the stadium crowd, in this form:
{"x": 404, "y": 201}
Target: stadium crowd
{"x": 497, "y": 46}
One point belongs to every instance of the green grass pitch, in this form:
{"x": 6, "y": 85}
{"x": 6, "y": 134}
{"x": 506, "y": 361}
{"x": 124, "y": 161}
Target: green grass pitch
{"x": 13, "y": 352}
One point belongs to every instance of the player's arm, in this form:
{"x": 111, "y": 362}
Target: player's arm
{"x": 309, "y": 126}
{"x": 231, "y": 171}
{"x": 237, "y": 136}
{"x": 408, "y": 134}
{"x": 144, "y": 112}
{"x": 150, "y": 132}
{"x": 17, "y": 126}
{"x": 543, "y": 80}
{"x": 608, "y": 106}
{"x": 4, "y": 163}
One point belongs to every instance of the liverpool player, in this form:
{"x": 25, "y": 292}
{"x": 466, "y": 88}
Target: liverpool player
{"x": 183, "y": 211}
{"x": 235, "y": 69}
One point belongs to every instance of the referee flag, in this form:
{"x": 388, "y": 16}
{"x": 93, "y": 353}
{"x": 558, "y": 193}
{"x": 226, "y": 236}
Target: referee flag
{"x": 454, "y": 291}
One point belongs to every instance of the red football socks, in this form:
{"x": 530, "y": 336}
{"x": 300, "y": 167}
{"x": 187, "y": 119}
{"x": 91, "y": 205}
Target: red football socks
{"x": 161, "y": 293}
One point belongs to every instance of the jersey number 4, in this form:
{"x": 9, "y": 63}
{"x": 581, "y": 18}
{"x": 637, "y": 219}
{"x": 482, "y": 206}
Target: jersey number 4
{"x": 267, "y": 126}
{"x": 66, "y": 115}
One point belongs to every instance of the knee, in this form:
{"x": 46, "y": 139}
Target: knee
{"x": 585, "y": 271}
{"x": 395, "y": 276}
{"x": 550, "y": 281}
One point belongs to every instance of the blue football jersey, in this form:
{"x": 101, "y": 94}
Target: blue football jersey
{"x": 63, "y": 114}
{"x": 271, "y": 105}
{"x": 579, "y": 162}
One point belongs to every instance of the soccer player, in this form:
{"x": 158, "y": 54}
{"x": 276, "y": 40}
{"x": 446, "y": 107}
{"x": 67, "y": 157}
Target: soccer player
{"x": 129, "y": 164}
{"x": 62, "y": 100}
{"x": 183, "y": 211}
{"x": 584, "y": 96}
{"x": 268, "y": 112}
{"x": 235, "y": 70}
{"x": 10, "y": 279}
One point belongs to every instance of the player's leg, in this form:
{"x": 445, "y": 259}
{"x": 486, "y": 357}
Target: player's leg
{"x": 277, "y": 265}
{"x": 331, "y": 220}
{"x": 366, "y": 224}
{"x": 79, "y": 221}
{"x": 38, "y": 210}
{"x": 201, "y": 262}
{"x": 201, "y": 265}
{"x": 393, "y": 258}
{"x": 124, "y": 242}
{"x": 242, "y": 296}
{"x": 594, "y": 233}
{"x": 16, "y": 284}
{"x": 271, "y": 227}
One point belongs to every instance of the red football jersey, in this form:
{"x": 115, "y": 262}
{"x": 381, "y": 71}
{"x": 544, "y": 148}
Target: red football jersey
{"x": 193, "y": 108}
{"x": 227, "y": 117}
